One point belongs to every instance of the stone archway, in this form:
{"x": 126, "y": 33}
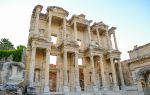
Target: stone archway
{"x": 143, "y": 76}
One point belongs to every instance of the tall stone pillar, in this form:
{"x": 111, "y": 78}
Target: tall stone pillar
{"x": 114, "y": 74}
{"x": 31, "y": 88}
{"x": 98, "y": 37}
{"x": 32, "y": 67}
{"x": 49, "y": 26}
{"x": 58, "y": 73}
{"x": 85, "y": 73}
{"x": 89, "y": 34}
{"x": 64, "y": 28}
{"x": 66, "y": 89}
{"x": 75, "y": 30}
{"x": 78, "y": 88}
{"x": 115, "y": 41}
{"x": 121, "y": 74}
{"x": 104, "y": 84}
{"x": 108, "y": 40}
{"x": 36, "y": 28}
{"x": 93, "y": 74}
{"x": 46, "y": 84}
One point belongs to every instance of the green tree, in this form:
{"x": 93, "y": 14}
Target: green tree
{"x": 5, "y": 44}
{"x": 17, "y": 54}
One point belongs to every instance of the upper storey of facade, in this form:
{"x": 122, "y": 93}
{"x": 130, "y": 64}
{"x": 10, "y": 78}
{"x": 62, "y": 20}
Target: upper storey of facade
{"x": 140, "y": 51}
{"x": 77, "y": 30}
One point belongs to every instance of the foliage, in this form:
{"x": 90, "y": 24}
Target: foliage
{"x": 5, "y": 44}
{"x": 16, "y": 53}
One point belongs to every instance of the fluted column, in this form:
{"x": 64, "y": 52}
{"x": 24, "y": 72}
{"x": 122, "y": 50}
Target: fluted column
{"x": 114, "y": 74}
{"x": 32, "y": 67}
{"x": 78, "y": 88}
{"x": 115, "y": 41}
{"x": 93, "y": 74}
{"x": 75, "y": 30}
{"x": 49, "y": 25}
{"x": 46, "y": 85}
{"x": 98, "y": 37}
{"x": 104, "y": 84}
{"x": 66, "y": 89}
{"x": 89, "y": 34}
{"x": 64, "y": 28}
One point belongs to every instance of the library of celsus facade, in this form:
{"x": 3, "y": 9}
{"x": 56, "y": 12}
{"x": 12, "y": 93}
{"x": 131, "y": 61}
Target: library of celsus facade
{"x": 77, "y": 39}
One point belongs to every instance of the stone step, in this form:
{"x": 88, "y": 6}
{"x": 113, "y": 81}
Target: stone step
{"x": 90, "y": 93}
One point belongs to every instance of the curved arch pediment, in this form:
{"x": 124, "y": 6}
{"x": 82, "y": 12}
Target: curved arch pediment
{"x": 143, "y": 71}
{"x": 58, "y": 10}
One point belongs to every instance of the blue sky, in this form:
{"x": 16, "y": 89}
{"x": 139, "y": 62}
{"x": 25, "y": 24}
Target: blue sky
{"x": 131, "y": 17}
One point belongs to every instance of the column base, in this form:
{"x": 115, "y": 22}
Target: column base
{"x": 105, "y": 88}
{"x": 140, "y": 92}
{"x": 116, "y": 87}
{"x": 66, "y": 90}
{"x": 46, "y": 90}
{"x": 95, "y": 88}
{"x": 78, "y": 90}
{"x": 31, "y": 91}
{"x": 46, "y": 93}
{"x": 123, "y": 87}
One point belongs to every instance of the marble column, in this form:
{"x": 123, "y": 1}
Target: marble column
{"x": 121, "y": 74}
{"x": 78, "y": 88}
{"x": 75, "y": 30}
{"x": 36, "y": 27}
{"x": 98, "y": 37}
{"x": 115, "y": 41}
{"x": 49, "y": 26}
{"x": 58, "y": 73}
{"x": 93, "y": 74}
{"x": 32, "y": 67}
{"x": 104, "y": 83}
{"x": 108, "y": 40}
{"x": 140, "y": 88}
{"x": 114, "y": 74}
{"x": 64, "y": 28}
{"x": 66, "y": 89}
{"x": 85, "y": 73}
{"x": 89, "y": 34}
{"x": 46, "y": 84}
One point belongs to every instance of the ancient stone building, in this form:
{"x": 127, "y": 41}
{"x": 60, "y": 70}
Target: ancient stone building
{"x": 136, "y": 70}
{"x": 100, "y": 71}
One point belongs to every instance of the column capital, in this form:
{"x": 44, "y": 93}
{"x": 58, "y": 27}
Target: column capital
{"x": 101, "y": 56}
{"x": 91, "y": 56}
{"x": 48, "y": 49}
{"x": 34, "y": 47}
{"x": 65, "y": 51}
{"x": 97, "y": 29}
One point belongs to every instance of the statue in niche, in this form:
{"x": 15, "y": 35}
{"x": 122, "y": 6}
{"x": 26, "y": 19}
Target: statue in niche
{"x": 110, "y": 78}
